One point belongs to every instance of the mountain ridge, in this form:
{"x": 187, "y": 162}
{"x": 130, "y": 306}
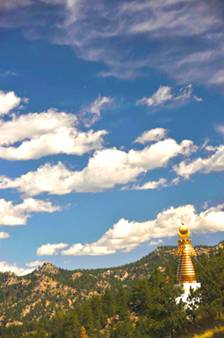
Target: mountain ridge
{"x": 49, "y": 289}
{"x": 200, "y": 249}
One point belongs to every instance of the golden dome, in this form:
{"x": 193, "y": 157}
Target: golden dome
{"x": 184, "y": 232}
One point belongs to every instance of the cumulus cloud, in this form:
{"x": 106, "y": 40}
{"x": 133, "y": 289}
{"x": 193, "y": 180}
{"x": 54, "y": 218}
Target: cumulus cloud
{"x": 17, "y": 214}
{"x": 92, "y": 113}
{"x": 50, "y": 249}
{"x": 162, "y": 182}
{"x": 34, "y": 264}
{"x": 151, "y": 135}
{"x": 19, "y": 271}
{"x": 163, "y": 94}
{"x": 4, "y": 235}
{"x": 166, "y": 95}
{"x": 33, "y": 135}
{"x": 106, "y": 169}
{"x": 126, "y": 235}
{"x": 8, "y": 101}
{"x": 213, "y": 163}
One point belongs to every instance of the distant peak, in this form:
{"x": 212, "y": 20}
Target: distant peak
{"x": 48, "y": 267}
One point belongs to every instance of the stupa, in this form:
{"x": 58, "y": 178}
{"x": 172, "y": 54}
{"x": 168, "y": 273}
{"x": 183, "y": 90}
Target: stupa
{"x": 186, "y": 275}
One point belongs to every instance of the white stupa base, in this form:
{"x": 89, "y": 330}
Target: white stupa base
{"x": 186, "y": 292}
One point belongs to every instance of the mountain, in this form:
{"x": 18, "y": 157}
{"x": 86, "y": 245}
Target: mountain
{"x": 49, "y": 288}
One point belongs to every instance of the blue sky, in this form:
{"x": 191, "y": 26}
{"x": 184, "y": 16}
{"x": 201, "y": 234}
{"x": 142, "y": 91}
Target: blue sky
{"x": 111, "y": 129}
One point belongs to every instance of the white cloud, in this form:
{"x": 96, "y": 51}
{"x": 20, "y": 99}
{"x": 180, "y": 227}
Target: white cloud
{"x": 50, "y": 249}
{"x": 19, "y": 270}
{"x": 34, "y": 264}
{"x": 210, "y": 148}
{"x": 106, "y": 169}
{"x": 92, "y": 113}
{"x": 4, "y": 235}
{"x": 126, "y": 235}
{"x": 162, "y": 182}
{"x": 165, "y": 27}
{"x": 165, "y": 95}
{"x": 18, "y": 214}
{"x": 46, "y": 133}
{"x": 98, "y": 104}
{"x": 157, "y": 184}
{"x": 214, "y": 162}
{"x": 156, "y": 134}
{"x": 8, "y": 101}
{"x": 165, "y": 22}
{"x": 9, "y": 267}
{"x": 156, "y": 242}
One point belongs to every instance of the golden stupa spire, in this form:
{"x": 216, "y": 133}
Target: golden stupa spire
{"x": 185, "y": 251}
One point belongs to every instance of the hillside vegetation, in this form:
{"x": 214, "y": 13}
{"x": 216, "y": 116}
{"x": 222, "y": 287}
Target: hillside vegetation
{"x": 135, "y": 300}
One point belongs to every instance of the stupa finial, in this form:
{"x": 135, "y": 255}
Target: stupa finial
{"x": 186, "y": 275}
{"x": 185, "y": 251}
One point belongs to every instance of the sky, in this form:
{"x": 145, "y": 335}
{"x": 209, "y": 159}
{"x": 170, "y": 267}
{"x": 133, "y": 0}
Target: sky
{"x": 111, "y": 129}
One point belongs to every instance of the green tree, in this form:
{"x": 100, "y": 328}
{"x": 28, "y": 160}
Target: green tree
{"x": 160, "y": 316}
{"x": 123, "y": 329}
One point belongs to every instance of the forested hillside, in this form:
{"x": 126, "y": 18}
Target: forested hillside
{"x": 136, "y": 300}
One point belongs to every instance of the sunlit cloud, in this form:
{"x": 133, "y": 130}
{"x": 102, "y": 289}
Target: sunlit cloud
{"x": 51, "y": 249}
{"x": 152, "y": 135}
{"x": 165, "y": 95}
{"x": 4, "y": 235}
{"x": 212, "y": 163}
{"x": 18, "y": 214}
{"x": 20, "y": 270}
{"x": 126, "y": 235}
{"x": 106, "y": 169}
{"x": 34, "y": 135}
{"x": 92, "y": 113}
{"x": 150, "y": 185}
{"x": 8, "y": 101}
